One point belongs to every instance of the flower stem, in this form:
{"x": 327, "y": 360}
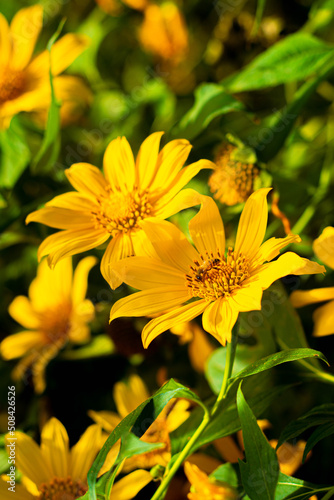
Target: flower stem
{"x": 230, "y": 355}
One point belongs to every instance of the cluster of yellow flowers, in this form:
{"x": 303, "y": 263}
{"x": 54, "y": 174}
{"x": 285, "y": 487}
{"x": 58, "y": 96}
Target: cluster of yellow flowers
{"x": 126, "y": 207}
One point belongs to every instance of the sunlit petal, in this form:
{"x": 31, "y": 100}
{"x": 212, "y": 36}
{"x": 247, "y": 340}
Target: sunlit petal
{"x": 119, "y": 165}
{"x": 207, "y": 228}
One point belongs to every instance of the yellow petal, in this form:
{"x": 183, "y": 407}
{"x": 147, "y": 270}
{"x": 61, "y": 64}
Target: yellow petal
{"x": 129, "y": 396}
{"x": 15, "y": 346}
{"x": 228, "y": 449}
{"x": 25, "y": 28}
{"x": 30, "y": 460}
{"x": 68, "y": 242}
{"x": 288, "y": 263}
{"x": 84, "y": 452}
{"x": 22, "y": 311}
{"x": 142, "y": 245}
{"x": 184, "y": 199}
{"x": 128, "y": 487}
{"x": 88, "y": 180}
{"x": 271, "y": 248}
{"x": 144, "y": 273}
{"x": 170, "y": 243}
{"x": 247, "y": 298}
{"x": 5, "y": 42}
{"x": 36, "y": 98}
{"x": 149, "y": 302}
{"x": 289, "y": 456}
{"x": 55, "y": 447}
{"x": 253, "y": 223}
{"x": 73, "y": 201}
{"x": 51, "y": 286}
{"x": 159, "y": 325}
{"x": 80, "y": 279}
{"x": 324, "y": 247}
{"x": 204, "y": 462}
{"x": 60, "y": 218}
{"x": 301, "y": 298}
{"x": 20, "y": 492}
{"x": 324, "y": 320}
{"x": 207, "y": 228}
{"x": 119, "y": 165}
{"x": 178, "y": 414}
{"x": 219, "y": 318}
{"x": 106, "y": 419}
{"x": 118, "y": 248}
{"x": 63, "y": 53}
{"x": 146, "y": 161}
{"x": 176, "y": 184}
{"x": 169, "y": 162}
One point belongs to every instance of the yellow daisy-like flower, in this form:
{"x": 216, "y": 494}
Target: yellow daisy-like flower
{"x": 53, "y": 471}
{"x": 55, "y": 312}
{"x": 323, "y": 316}
{"x": 113, "y": 204}
{"x": 127, "y": 398}
{"x": 203, "y": 487}
{"x": 220, "y": 284}
{"x": 24, "y": 82}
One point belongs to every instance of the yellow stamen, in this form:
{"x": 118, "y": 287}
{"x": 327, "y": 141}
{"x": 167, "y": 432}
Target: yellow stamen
{"x": 11, "y": 85}
{"x": 216, "y": 275}
{"x": 121, "y": 212}
{"x": 62, "y": 489}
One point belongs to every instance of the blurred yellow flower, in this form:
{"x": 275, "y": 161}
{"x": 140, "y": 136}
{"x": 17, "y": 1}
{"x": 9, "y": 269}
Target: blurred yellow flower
{"x": 111, "y": 7}
{"x": 113, "y": 204}
{"x": 232, "y": 181}
{"x": 164, "y": 32}
{"x": 53, "y": 471}
{"x": 24, "y": 82}
{"x": 55, "y": 312}
{"x": 127, "y": 398}
{"x": 203, "y": 487}
{"x": 222, "y": 284}
{"x": 136, "y": 4}
{"x": 323, "y": 316}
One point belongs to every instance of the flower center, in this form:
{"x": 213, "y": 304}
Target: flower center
{"x": 11, "y": 85}
{"x": 55, "y": 323}
{"x": 62, "y": 489}
{"x": 121, "y": 212}
{"x": 216, "y": 275}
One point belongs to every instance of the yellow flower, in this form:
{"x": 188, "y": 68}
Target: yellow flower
{"x": 203, "y": 487}
{"x": 127, "y": 398}
{"x": 24, "y": 82}
{"x": 53, "y": 471}
{"x": 232, "y": 181}
{"x": 323, "y": 316}
{"x": 55, "y": 312}
{"x": 220, "y": 284}
{"x": 164, "y": 32}
{"x": 112, "y": 205}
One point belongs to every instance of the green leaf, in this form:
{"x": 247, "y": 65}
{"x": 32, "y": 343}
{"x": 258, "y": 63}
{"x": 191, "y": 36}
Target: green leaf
{"x": 49, "y": 150}
{"x": 139, "y": 420}
{"x": 211, "y": 101}
{"x": 320, "y": 415}
{"x": 294, "y": 58}
{"x": 292, "y": 488}
{"x": 226, "y": 474}
{"x": 15, "y": 154}
{"x": 259, "y": 474}
{"x": 101, "y": 345}
{"x": 277, "y": 359}
{"x": 322, "y": 432}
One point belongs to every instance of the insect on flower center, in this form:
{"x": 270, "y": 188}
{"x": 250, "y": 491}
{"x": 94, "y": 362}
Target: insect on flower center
{"x": 120, "y": 212}
{"x": 11, "y": 85}
{"x": 62, "y": 489}
{"x": 215, "y": 276}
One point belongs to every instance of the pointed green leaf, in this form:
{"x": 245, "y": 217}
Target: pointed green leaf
{"x": 259, "y": 473}
{"x": 322, "y": 432}
{"x": 15, "y": 154}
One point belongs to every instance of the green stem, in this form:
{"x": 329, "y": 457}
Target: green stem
{"x": 329, "y": 494}
{"x": 230, "y": 355}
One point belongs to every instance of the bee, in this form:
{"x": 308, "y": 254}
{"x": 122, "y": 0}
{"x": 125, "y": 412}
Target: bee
{"x": 205, "y": 267}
